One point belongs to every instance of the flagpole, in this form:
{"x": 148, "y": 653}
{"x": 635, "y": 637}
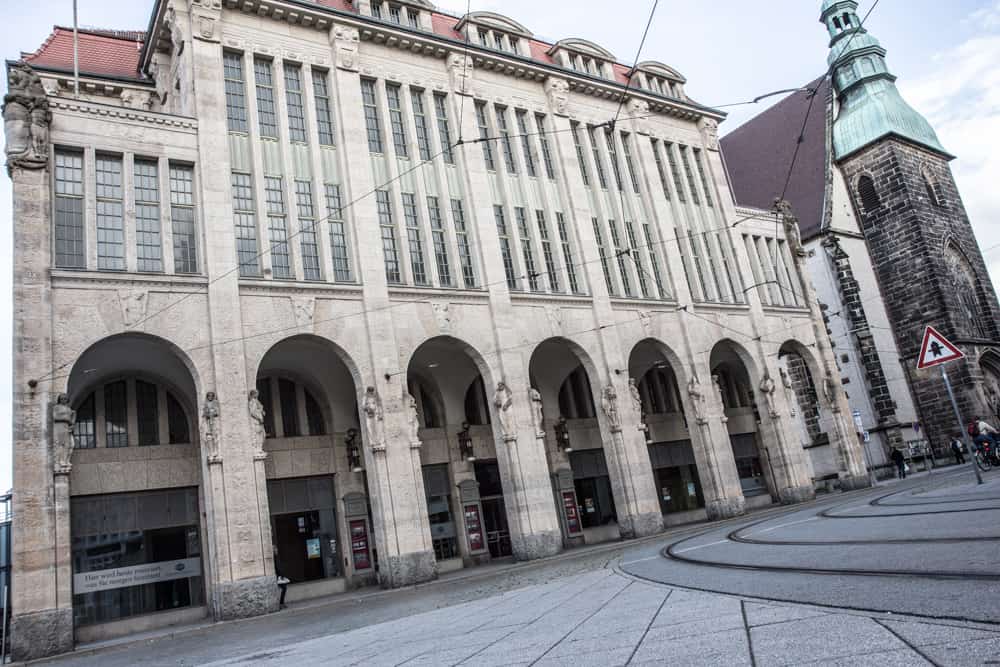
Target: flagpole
{"x": 76, "y": 55}
{"x": 958, "y": 417}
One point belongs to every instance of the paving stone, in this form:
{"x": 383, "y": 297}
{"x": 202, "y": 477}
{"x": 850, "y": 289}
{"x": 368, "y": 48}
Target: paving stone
{"x": 699, "y": 627}
{"x": 899, "y": 658}
{"x": 606, "y": 658}
{"x": 975, "y": 652}
{"x": 592, "y": 644}
{"x": 926, "y": 634}
{"x": 764, "y": 614}
{"x": 811, "y": 639}
{"x": 711, "y": 649}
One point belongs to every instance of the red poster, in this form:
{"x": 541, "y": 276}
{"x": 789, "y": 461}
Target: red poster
{"x": 359, "y": 545}
{"x": 572, "y": 514}
{"x": 474, "y": 528}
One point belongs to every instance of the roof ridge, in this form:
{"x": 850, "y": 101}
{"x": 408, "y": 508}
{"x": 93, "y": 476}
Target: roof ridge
{"x": 815, "y": 84}
{"x": 27, "y": 55}
{"x": 126, "y": 35}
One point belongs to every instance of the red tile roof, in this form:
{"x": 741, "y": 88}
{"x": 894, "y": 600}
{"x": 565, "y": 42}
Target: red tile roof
{"x": 102, "y": 52}
{"x": 759, "y": 152}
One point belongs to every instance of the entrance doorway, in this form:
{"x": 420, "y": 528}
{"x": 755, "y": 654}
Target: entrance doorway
{"x": 494, "y": 509}
{"x": 593, "y": 488}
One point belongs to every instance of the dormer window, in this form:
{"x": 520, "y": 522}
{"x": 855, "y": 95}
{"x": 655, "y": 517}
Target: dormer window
{"x": 659, "y": 79}
{"x": 413, "y": 18}
{"x": 493, "y": 31}
{"x": 484, "y": 37}
{"x": 396, "y": 13}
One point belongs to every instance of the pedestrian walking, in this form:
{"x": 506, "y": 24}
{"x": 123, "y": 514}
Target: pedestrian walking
{"x": 900, "y": 461}
{"x": 958, "y": 448}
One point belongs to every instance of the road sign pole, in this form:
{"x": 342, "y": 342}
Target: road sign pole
{"x": 961, "y": 427}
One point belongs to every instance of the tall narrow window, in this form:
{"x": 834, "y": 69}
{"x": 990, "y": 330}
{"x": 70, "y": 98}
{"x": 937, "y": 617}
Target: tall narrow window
{"x": 392, "y": 96}
{"x": 293, "y": 99}
{"x": 547, "y": 254}
{"x": 526, "y": 147}
{"x": 637, "y": 259}
{"x": 307, "y": 230}
{"x": 592, "y": 133}
{"x": 527, "y": 251}
{"x": 543, "y": 139}
{"x": 659, "y": 168}
{"x": 690, "y": 175}
{"x": 464, "y": 247}
{"x": 440, "y": 240}
{"x": 116, "y": 414}
{"x": 274, "y": 195}
{"x": 444, "y": 131}
{"x": 514, "y": 43}
{"x": 616, "y": 242}
{"x": 484, "y": 134}
{"x": 289, "y": 408}
{"x": 498, "y": 40}
{"x": 149, "y": 252}
{"x": 377, "y": 9}
{"x": 412, "y": 220}
{"x": 182, "y": 218}
{"x": 396, "y": 14}
{"x": 567, "y": 251}
{"x": 324, "y": 112}
{"x": 236, "y": 103}
{"x": 338, "y": 235}
{"x": 869, "y": 195}
{"x": 110, "y": 223}
{"x": 147, "y": 414}
{"x": 484, "y": 37}
{"x": 505, "y": 252}
{"x": 266, "y": 118}
{"x": 389, "y": 248}
{"x": 245, "y": 219}
{"x": 413, "y": 18}
{"x": 609, "y": 138}
{"x": 629, "y": 163}
{"x": 420, "y": 123}
{"x": 70, "y": 252}
{"x": 653, "y": 260}
{"x": 603, "y": 254}
{"x": 85, "y": 428}
{"x": 705, "y": 184}
{"x": 675, "y": 172}
{"x": 728, "y": 269}
{"x": 505, "y": 141}
{"x": 580, "y": 157}
{"x": 373, "y": 123}
{"x": 177, "y": 422}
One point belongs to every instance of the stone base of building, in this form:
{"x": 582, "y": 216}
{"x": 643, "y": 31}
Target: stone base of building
{"x": 537, "y": 545}
{"x": 407, "y": 569}
{"x": 797, "y": 494}
{"x": 641, "y": 525}
{"x": 246, "y": 598}
{"x": 41, "y": 634}
{"x": 725, "y": 508}
{"x": 853, "y": 482}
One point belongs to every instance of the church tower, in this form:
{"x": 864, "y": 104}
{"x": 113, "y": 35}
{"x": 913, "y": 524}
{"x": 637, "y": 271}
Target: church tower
{"x": 924, "y": 252}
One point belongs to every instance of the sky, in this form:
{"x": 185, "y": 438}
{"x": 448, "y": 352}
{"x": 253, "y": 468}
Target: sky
{"x": 944, "y": 53}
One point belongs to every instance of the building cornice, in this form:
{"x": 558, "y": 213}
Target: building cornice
{"x": 122, "y": 113}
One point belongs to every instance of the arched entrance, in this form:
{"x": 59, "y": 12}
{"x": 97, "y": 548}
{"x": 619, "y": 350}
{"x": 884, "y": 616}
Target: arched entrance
{"x": 464, "y": 492}
{"x": 136, "y": 488}
{"x": 317, "y": 493}
{"x": 668, "y": 431}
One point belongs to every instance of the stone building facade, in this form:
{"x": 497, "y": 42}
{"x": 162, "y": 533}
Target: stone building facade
{"x": 356, "y": 293}
{"x": 889, "y": 244}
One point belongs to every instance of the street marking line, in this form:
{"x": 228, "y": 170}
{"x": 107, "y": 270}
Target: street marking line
{"x": 783, "y": 525}
{"x": 642, "y": 560}
{"x": 701, "y": 546}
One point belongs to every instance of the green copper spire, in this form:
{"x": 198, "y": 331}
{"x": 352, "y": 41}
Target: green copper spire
{"x": 871, "y": 107}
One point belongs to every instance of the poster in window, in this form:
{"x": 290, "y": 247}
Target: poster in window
{"x": 473, "y": 528}
{"x": 312, "y": 548}
{"x": 572, "y": 513}
{"x": 359, "y": 545}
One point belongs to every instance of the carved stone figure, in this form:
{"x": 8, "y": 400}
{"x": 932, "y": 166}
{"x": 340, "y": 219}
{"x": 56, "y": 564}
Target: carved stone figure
{"x": 710, "y": 134}
{"x": 345, "y": 41}
{"x": 767, "y": 388}
{"x": 503, "y": 400}
{"x": 609, "y": 404}
{"x": 303, "y": 308}
{"x": 413, "y": 419}
{"x": 63, "y": 443}
{"x": 557, "y": 90}
{"x": 633, "y": 392}
{"x": 26, "y": 119}
{"x": 460, "y": 71}
{"x": 697, "y": 399}
{"x": 256, "y": 409}
{"x": 786, "y": 382}
{"x": 442, "y": 313}
{"x": 210, "y": 418}
{"x": 792, "y": 232}
{"x": 717, "y": 381}
{"x": 374, "y": 419}
{"x": 830, "y": 392}
{"x": 537, "y": 415}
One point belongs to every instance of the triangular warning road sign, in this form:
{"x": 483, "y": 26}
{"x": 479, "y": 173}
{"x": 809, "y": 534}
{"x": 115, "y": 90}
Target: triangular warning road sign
{"x": 936, "y": 350}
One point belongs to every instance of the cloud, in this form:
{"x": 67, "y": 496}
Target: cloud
{"x": 960, "y": 96}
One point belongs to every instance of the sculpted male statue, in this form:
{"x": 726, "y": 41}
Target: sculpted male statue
{"x": 503, "y": 400}
{"x": 609, "y": 404}
{"x": 210, "y": 418}
{"x": 413, "y": 419}
{"x": 374, "y": 419}
{"x": 26, "y": 119}
{"x": 63, "y": 442}
{"x": 537, "y": 412}
{"x": 697, "y": 398}
{"x": 257, "y": 417}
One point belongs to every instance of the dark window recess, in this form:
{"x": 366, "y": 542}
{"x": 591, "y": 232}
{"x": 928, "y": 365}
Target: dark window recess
{"x": 147, "y": 413}
{"x": 869, "y": 195}
{"x": 488, "y": 476}
{"x": 477, "y": 410}
{"x": 115, "y": 414}
{"x": 177, "y": 423}
{"x": 289, "y": 409}
{"x": 431, "y": 419}
{"x": 84, "y": 431}
{"x": 314, "y": 415}
{"x": 264, "y": 396}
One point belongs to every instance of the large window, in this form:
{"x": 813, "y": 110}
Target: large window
{"x": 324, "y": 112}
{"x": 464, "y": 246}
{"x": 567, "y": 249}
{"x": 393, "y": 96}
{"x": 236, "y": 103}
{"x": 547, "y": 254}
{"x": 130, "y": 409}
{"x": 393, "y": 273}
{"x": 147, "y": 215}
{"x": 283, "y": 418}
{"x": 543, "y": 139}
{"x": 373, "y": 123}
{"x": 69, "y": 246}
{"x": 420, "y": 123}
{"x": 338, "y": 235}
{"x": 307, "y": 230}
{"x": 267, "y": 120}
{"x": 444, "y": 131}
{"x": 281, "y": 266}
{"x": 110, "y": 219}
{"x": 245, "y": 221}
{"x": 603, "y": 254}
{"x": 289, "y": 408}
{"x": 527, "y": 250}
{"x": 505, "y": 251}
{"x": 147, "y": 413}
{"x": 293, "y": 99}
{"x": 84, "y": 430}
{"x": 526, "y": 146}
{"x": 182, "y": 218}
{"x": 505, "y": 141}
{"x": 580, "y": 156}
{"x": 412, "y": 220}
{"x": 116, "y": 414}
{"x": 439, "y": 238}
{"x": 484, "y": 134}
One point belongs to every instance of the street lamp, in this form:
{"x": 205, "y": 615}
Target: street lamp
{"x": 353, "y": 451}
{"x": 465, "y": 443}
{"x": 562, "y": 435}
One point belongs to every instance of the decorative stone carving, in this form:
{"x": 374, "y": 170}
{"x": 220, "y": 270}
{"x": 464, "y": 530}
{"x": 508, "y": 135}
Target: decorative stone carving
{"x": 638, "y": 113}
{"x": 205, "y": 16}
{"x": 557, "y": 90}
{"x": 503, "y": 400}
{"x": 135, "y": 99}
{"x": 710, "y": 134}
{"x": 697, "y": 399}
{"x": 830, "y": 392}
{"x": 786, "y": 382}
{"x": 717, "y": 381}
{"x": 792, "y": 232}
{"x": 63, "y": 442}
{"x": 537, "y": 413}
{"x": 767, "y": 388}
{"x": 442, "y": 313}
{"x": 210, "y": 421}
{"x": 555, "y": 317}
{"x": 633, "y": 392}
{"x": 459, "y": 72}
{"x": 609, "y": 404}
{"x": 345, "y": 43}
{"x": 646, "y": 319}
{"x": 304, "y": 308}
{"x": 26, "y": 119}
{"x": 256, "y": 409}
{"x": 413, "y": 420}
{"x": 374, "y": 419}
{"x": 133, "y": 305}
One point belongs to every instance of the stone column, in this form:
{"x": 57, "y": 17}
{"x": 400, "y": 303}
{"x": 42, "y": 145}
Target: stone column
{"x": 791, "y": 471}
{"x": 241, "y": 557}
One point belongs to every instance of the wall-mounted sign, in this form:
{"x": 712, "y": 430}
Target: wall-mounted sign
{"x": 136, "y": 575}
{"x": 359, "y": 545}
{"x": 312, "y": 548}
{"x": 474, "y": 528}
{"x": 572, "y": 513}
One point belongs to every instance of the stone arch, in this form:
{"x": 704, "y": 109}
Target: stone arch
{"x": 433, "y": 361}
{"x": 494, "y": 20}
{"x": 657, "y": 68}
{"x": 967, "y": 285}
{"x": 933, "y": 186}
{"x": 802, "y": 383}
{"x": 651, "y": 353}
{"x": 583, "y": 46}
{"x": 868, "y": 194}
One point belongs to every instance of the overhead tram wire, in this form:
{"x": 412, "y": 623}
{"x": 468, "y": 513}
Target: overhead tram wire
{"x": 638, "y": 54}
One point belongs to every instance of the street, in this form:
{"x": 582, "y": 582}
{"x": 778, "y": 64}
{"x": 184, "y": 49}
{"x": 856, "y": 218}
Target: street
{"x": 904, "y": 574}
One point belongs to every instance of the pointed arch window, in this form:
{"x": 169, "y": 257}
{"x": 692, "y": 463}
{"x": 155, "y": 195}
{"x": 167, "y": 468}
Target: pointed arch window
{"x": 870, "y": 199}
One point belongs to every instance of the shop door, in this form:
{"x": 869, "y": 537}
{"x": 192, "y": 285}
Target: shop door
{"x": 494, "y": 509}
